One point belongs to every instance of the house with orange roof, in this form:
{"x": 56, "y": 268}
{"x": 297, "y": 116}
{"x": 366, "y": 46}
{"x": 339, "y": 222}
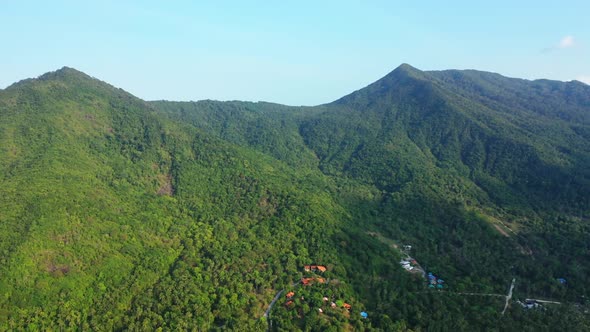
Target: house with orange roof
{"x": 306, "y": 281}
{"x": 314, "y": 268}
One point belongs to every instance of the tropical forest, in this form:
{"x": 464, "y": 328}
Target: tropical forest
{"x": 453, "y": 200}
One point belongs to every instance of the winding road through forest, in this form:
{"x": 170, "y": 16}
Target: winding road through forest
{"x": 267, "y": 312}
{"x": 509, "y": 296}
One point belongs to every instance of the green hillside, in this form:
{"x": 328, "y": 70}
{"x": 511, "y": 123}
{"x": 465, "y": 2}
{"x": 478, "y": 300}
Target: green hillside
{"x": 121, "y": 214}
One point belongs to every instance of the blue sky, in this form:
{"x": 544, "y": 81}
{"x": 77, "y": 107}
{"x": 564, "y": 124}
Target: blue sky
{"x": 291, "y": 52}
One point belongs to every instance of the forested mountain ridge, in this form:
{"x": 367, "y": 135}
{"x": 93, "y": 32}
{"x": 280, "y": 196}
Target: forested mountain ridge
{"x": 481, "y": 134}
{"x": 108, "y": 213}
{"x": 512, "y": 137}
{"x": 118, "y": 213}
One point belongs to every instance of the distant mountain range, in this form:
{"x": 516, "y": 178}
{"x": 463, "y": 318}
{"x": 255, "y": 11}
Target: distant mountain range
{"x": 123, "y": 214}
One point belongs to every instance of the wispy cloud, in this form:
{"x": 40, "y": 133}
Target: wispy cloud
{"x": 565, "y": 42}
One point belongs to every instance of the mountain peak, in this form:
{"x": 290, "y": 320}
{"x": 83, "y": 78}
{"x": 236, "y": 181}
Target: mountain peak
{"x": 70, "y": 70}
{"x": 405, "y": 70}
{"x": 64, "y": 73}
{"x": 406, "y": 67}
{"x": 73, "y": 78}
{"x": 403, "y": 77}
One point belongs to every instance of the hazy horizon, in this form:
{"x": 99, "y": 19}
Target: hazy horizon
{"x": 266, "y": 101}
{"x": 304, "y": 54}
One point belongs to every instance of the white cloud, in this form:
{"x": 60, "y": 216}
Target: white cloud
{"x": 567, "y": 41}
{"x": 584, "y": 78}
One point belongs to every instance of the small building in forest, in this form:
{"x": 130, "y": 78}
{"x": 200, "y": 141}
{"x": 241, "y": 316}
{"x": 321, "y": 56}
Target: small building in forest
{"x": 306, "y": 281}
{"x": 315, "y": 268}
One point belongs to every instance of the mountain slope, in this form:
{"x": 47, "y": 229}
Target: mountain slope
{"x": 431, "y": 143}
{"x": 104, "y": 204}
{"x": 522, "y": 154}
{"x": 455, "y": 158}
{"x": 116, "y": 213}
